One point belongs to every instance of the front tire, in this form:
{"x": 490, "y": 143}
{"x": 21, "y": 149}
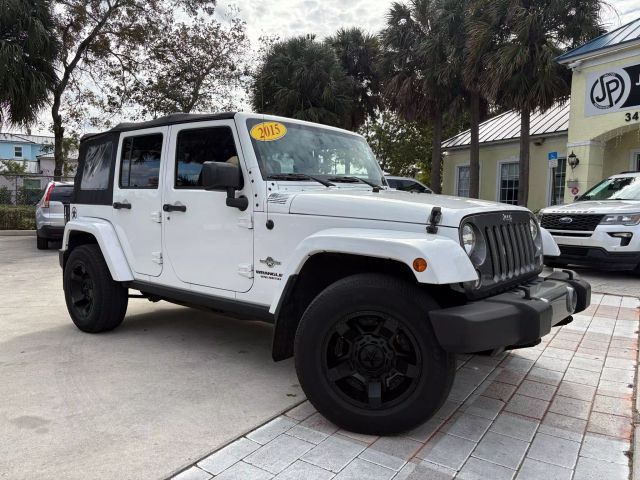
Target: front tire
{"x": 94, "y": 300}
{"x": 367, "y": 358}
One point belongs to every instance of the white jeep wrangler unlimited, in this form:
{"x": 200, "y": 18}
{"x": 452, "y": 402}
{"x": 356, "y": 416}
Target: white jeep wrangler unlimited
{"x": 372, "y": 290}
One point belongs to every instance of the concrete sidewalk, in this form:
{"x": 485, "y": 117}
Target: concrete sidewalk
{"x": 560, "y": 410}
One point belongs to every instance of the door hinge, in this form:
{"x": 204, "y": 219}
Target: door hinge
{"x": 156, "y": 257}
{"x": 246, "y": 270}
{"x": 156, "y": 216}
{"x": 245, "y": 221}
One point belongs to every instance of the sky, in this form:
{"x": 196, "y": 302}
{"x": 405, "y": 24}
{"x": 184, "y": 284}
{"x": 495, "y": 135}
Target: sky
{"x": 293, "y": 17}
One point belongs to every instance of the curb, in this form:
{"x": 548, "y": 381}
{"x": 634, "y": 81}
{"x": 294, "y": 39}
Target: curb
{"x": 17, "y": 233}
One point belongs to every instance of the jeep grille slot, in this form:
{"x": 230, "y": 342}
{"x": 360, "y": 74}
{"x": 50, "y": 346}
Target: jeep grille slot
{"x": 511, "y": 256}
{"x": 582, "y": 221}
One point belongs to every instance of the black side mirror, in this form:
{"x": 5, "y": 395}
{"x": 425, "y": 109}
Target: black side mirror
{"x": 224, "y": 176}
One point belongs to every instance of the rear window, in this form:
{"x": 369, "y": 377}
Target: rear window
{"x": 62, "y": 194}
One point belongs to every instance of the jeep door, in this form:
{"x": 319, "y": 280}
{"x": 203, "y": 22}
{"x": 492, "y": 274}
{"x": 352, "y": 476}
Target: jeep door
{"x": 207, "y": 242}
{"x": 137, "y": 198}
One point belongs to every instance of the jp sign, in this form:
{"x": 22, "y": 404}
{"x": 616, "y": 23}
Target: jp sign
{"x": 613, "y": 90}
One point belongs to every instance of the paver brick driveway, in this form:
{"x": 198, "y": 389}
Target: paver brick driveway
{"x": 560, "y": 410}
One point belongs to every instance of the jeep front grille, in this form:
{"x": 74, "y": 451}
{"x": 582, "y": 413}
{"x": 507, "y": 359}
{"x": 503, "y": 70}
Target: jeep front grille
{"x": 511, "y": 249}
{"x": 581, "y": 222}
{"x": 511, "y": 255}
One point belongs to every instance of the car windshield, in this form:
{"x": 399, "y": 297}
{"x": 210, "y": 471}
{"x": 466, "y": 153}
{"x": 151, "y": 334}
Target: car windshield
{"x": 620, "y": 188}
{"x": 286, "y": 149}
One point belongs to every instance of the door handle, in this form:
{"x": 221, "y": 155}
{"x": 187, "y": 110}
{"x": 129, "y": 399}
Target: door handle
{"x": 119, "y": 205}
{"x": 167, "y": 207}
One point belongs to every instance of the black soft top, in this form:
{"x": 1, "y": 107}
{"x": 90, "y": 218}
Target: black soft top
{"x": 166, "y": 120}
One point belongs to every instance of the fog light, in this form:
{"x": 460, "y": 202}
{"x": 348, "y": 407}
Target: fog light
{"x": 572, "y": 299}
{"x": 621, "y": 234}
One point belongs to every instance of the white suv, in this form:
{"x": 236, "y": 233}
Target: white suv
{"x": 372, "y": 290}
{"x": 601, "y": 229}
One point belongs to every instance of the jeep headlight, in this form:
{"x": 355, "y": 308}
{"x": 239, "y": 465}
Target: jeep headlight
{"x": 533, "y": 227}
{"x": 628, "y": 219}
{"x": 469, "y": 239}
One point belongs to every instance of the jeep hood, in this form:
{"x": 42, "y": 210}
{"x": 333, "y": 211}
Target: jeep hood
{"x": 385, "y": 205}
{"x": 595, "y": 206}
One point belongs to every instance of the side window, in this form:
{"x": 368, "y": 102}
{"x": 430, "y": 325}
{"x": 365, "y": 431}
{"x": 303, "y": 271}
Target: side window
{"x": 196, "y": 146}
{"x": 140, "y": 161}
{"x": 97, "y": 166}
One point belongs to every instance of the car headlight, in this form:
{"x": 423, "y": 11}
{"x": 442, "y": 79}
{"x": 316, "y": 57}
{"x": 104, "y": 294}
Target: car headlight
{"x": 468, "y": 239}
{"x": 533, "y": 227}
{"x": 628, "y": 219}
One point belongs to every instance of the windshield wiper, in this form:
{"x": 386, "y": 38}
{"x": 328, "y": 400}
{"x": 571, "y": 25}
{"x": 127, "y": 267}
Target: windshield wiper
{"x": 355, "y": 179}
{"x": 298, "y": 176}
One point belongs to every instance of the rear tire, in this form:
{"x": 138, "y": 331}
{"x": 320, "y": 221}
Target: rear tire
{"x": 94, "y": 300}
{"x": 367, "y": 358}
{"x": 42, "y": 243}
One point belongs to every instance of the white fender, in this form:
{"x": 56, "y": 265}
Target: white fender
{"x": 447, "y": 262}
{"x": 109, "y": 244}
{"x": 549, "y": 246}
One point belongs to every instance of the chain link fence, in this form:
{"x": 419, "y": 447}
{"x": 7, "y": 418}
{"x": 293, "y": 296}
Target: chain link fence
{"x": 19, "y": 196}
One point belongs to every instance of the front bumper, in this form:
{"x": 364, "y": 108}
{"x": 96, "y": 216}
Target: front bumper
{"x": 514, "y": 318}
{"x": 596, "y": 257}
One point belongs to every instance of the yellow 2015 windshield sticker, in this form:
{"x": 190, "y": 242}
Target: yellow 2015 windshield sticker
{"x": 268, "y": 131}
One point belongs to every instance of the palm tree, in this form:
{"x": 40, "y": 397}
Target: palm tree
{"x": 421, "y": 79}
{"x": 358, "y": 53}
{"x": 516, "y": 43}
{"x": 302, "y": 78}
{"x": 27, "y": 54}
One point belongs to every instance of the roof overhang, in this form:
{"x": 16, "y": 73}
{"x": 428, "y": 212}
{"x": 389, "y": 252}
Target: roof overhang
{"x": 532, "y": 138}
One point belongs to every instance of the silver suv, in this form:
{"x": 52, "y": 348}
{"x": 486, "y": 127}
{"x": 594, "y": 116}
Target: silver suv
{"x": 50, "y": 213}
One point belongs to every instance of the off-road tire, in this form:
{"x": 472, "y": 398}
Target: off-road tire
{"x": 104, "y": 307}
{"x": 366, "y": 296}
{"x": 42, "y": 243}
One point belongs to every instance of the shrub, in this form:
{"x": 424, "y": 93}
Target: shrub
{"x": 17, "y": 217}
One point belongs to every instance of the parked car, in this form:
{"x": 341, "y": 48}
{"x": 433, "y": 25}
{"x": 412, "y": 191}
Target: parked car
{"x": 50, "y": 213}
{"x": 601, "y": 229}
{"x": 372, "y": 290}
{"x": 407, "y": 184}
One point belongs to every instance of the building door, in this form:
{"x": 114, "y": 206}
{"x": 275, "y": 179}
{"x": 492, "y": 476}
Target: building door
{"x": 137, "y": 198}
{"x": 558, "y": 178}
{"x": 635, "y": 161}
{"x": 206, "y": 242}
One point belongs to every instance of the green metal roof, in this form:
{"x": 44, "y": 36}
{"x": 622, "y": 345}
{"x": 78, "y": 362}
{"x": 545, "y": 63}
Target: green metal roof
{"x": 621, "y": 35}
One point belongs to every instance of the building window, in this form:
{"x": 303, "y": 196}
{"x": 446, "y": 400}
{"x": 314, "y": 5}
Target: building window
{"x": 140, "y": 161}
{"x": 636, "y": 161}
{"x": 17, "y": 151}
{"x": 462, "y": 180}
{"x": 508, "y": 183}
{"x": 558, "y": 177}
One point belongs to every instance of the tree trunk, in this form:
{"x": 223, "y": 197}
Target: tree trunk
{"x": 436, "y": 152}
{"x": 523, "y": 177}
{"x": 474, "y": 149}
{"x": 58, "y": 134}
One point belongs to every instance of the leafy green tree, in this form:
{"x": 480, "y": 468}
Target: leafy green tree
{"x": 196, "y": 66}
{"x": 104, "y": 39}
{"x": 359, "y": 54}
{"x": 28, "y": 50}
{"x": 516, "y": 43}
{"x": 420, "y": 83}
{"x": 401, "y": 147}
{"x": 13, "y": 167}
{"x": 302, "y": 78}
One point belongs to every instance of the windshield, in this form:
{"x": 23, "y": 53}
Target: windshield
{"x": 289, "y": 148}
{"x": 622, "y": 188}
